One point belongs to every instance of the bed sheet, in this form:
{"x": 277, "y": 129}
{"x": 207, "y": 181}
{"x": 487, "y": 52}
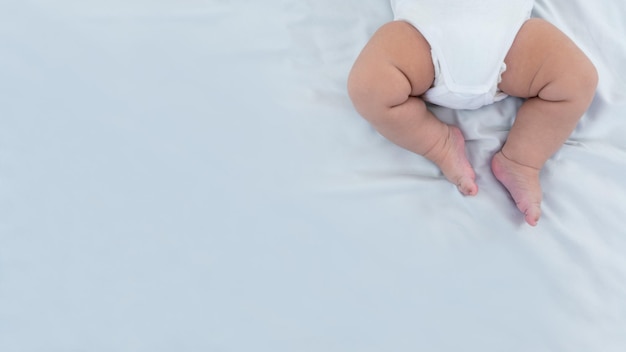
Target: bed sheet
{"x": 191, "y": 176}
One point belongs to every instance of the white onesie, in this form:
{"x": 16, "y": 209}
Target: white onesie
{"x": 469, "y": 40}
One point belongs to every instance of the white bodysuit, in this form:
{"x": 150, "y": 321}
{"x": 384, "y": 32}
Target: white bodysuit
{"x": 469, "y": 40}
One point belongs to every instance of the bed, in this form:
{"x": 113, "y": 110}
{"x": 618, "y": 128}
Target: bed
{"x": 191, "y": 176}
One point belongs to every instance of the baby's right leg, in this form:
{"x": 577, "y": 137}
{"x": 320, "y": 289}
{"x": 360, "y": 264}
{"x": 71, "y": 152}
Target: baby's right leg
{"x": 388, "y": 77}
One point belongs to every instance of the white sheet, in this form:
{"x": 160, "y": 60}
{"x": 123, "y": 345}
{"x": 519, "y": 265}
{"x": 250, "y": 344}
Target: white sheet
{"x": 191, "y": 176}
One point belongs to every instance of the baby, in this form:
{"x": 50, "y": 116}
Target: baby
{"x": 465, "y": 54}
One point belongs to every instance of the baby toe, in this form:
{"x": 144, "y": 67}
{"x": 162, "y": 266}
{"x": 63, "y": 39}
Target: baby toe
{"x": 532, "y": 215}
{"x": 468, "y": 187}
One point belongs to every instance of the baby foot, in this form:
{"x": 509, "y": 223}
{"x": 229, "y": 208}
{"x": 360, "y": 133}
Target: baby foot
{"x": 453, "y": 162}
{"x": 522, "y": 182}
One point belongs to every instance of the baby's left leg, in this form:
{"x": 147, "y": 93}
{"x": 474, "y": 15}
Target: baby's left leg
{"x": 546, "y": 67}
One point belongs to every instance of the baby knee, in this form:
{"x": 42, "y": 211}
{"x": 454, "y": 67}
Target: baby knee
{"x": 589, "y": 79}
{"x": 583, "y": 84}
{"x": 576, "y": 84}
{"x": 360, "y": 92}
{"x": 375, "y": 89}
{"x": 358, "y": 87}
{"x": 582, "y": 80}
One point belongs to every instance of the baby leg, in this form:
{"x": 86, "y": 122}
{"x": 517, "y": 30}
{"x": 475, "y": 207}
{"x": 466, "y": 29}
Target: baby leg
{"x": 546, "y": 67}
{"x": 385, "y": 83}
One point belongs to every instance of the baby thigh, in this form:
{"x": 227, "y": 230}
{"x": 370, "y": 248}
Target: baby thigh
{"x": 543, "y": 62}
{"x": 394, "y": 66}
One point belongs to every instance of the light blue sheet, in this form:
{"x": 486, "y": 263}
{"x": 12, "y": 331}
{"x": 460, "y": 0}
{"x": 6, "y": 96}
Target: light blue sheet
{"x": 191, "y": 176}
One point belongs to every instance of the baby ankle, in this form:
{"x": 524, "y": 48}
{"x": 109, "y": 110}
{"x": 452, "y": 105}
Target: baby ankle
{"x": 518, "y": 162}
{"x": 438, "y": 152}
